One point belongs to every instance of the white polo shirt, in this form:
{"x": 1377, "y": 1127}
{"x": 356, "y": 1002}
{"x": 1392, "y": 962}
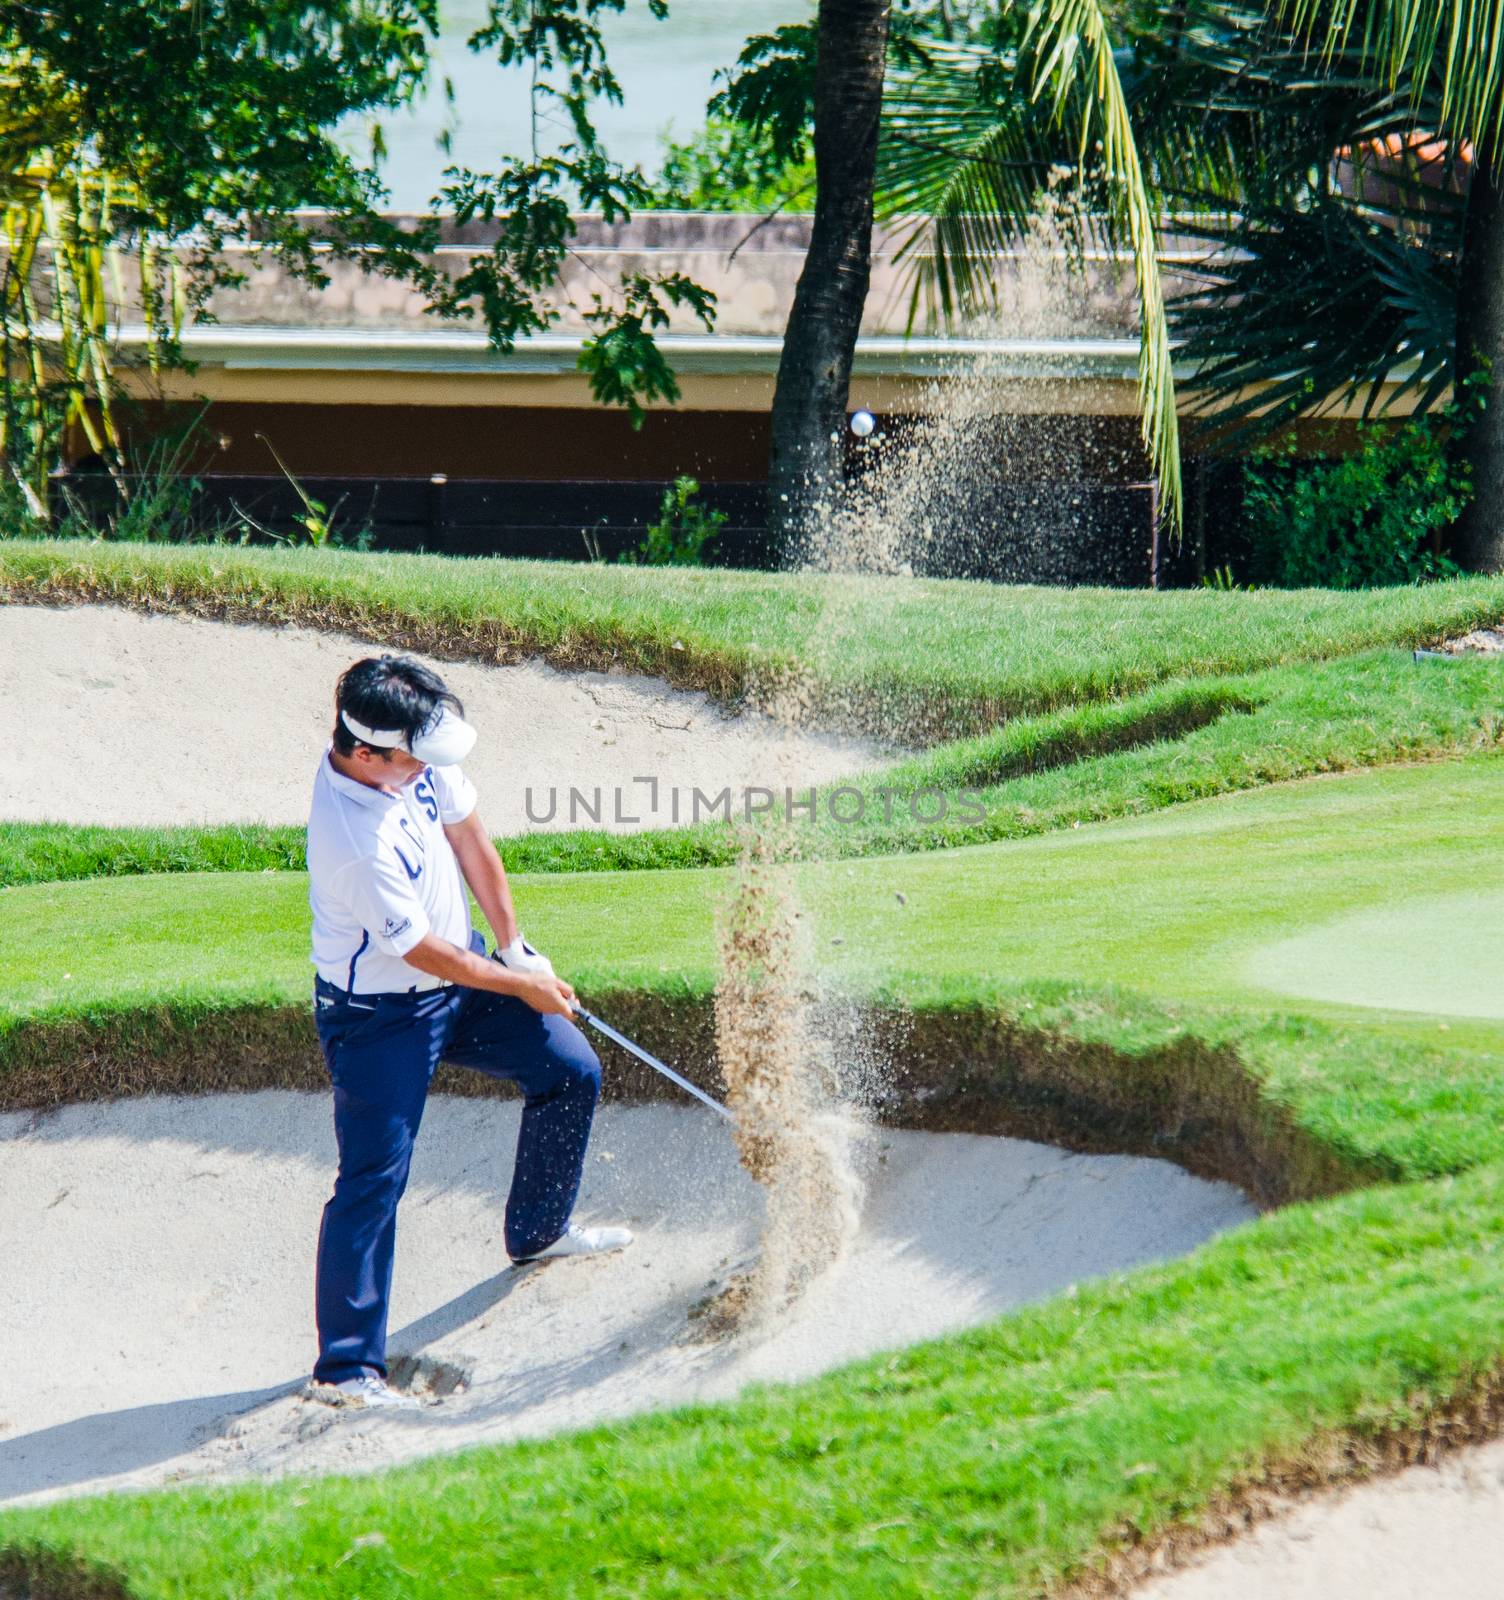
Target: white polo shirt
{"x": 381, "y": 874}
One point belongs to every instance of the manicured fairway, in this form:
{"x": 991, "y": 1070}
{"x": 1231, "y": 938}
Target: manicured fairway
{"x": 1184, "y": 905}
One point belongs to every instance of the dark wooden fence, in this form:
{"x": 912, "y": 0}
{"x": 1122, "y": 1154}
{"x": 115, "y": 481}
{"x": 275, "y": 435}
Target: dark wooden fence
{"x": 1057, "y": 533}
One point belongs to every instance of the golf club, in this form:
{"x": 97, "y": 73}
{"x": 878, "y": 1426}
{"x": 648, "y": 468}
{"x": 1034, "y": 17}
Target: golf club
{"x": 652, "y": 1061}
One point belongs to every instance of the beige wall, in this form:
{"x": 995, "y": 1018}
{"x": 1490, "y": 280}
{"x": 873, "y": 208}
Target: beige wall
{"x": 747, "y": 392}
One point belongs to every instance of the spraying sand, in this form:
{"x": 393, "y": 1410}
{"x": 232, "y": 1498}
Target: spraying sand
{"x": 917, "y": 505}
{"x": 151, "y": 720}
{"x": 164, "y": 1247}
{"x": 793, "y": 1132}
{"x": 924, "y": 497}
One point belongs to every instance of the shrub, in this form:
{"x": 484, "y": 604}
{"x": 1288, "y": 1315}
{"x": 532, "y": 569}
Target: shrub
{"x": 681, "y": 533}
{"x": 151, "y": 499}
{"x": 141, "y": 493}
{"x": 1375, "y": 517}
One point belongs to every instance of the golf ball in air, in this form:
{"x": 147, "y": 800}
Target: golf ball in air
{"x": 862, "y": 423}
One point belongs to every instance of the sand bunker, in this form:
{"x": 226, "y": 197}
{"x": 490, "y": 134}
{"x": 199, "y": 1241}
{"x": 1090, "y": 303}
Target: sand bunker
{"x": 1429, "y": 1531}
{"x": 159, "y": 1277}
{"x": 122, "y": 718}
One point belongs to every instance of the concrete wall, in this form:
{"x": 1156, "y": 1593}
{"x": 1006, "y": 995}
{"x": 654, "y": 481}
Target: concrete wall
{"x": 751, "y": 264}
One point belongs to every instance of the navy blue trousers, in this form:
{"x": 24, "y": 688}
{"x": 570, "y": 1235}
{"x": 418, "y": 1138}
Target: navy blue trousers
{"x": 381, "y": 1051}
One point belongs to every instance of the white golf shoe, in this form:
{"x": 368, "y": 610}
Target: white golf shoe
{"x": 367, "y": 1390}
{"x": 578, "y": 1241}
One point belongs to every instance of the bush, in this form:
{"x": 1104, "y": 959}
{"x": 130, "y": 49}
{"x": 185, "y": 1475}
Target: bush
{"x": 681, "y": 533}
{"x": 151, "y": 500}
{"x": 1372, "y": 518}
{"x": 143, "y": 493}
{"x": 729, "y": 167}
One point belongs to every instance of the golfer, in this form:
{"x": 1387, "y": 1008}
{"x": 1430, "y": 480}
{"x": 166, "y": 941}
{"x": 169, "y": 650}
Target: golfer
{"x": 403, "y": 983}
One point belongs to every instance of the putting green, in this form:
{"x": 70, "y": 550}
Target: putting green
{"x": 1440, "y": 954}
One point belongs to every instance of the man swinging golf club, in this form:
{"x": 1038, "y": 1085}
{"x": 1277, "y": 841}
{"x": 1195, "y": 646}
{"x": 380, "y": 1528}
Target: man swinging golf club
{"x": 402, "y": 983}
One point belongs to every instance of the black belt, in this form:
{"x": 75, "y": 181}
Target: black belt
{"x": 368, "y": 1001}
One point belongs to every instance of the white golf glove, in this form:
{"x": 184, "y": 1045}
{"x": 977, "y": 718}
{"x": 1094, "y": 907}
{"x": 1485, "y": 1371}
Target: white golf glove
{"x": 519, "y": 956}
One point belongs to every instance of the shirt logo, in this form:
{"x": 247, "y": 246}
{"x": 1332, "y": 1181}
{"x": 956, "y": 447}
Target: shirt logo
{"x": 392, "y": 927}
{"x": 413, "y": 872}
{"x": 424, "y": 791}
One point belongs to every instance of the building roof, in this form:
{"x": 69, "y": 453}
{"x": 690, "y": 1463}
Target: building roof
{"x": 1064, "y": 336}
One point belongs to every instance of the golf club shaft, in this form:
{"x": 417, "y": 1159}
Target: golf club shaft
{"x": 652, "y": 1061}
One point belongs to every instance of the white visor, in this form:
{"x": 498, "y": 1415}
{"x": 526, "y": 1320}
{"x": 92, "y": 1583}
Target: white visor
{"x": 446, "y": 740}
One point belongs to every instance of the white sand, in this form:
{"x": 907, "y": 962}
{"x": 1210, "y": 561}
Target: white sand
{"x": 157, "y": 1313}
{"x": 119, "y": 717}
{"x": 1426, "y": 1533}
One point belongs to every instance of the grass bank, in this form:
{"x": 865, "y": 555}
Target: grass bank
{"x": 932, "y": 657}
{"x": 1183, "y": 740}
{"x": 1199, "y": 895}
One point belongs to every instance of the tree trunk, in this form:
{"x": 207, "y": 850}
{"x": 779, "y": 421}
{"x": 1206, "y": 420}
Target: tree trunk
{"x": 814, "y": 373}
{"x": 1480, "y": 340}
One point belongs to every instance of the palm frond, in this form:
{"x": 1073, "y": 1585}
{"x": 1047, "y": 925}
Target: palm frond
{"x": 1407, "y": 40}
{"x": 1301, "y": 309}
{"x": 963, "y": 170}
{"x": 1074, "y": 62}
{"x": 969, "y": 140}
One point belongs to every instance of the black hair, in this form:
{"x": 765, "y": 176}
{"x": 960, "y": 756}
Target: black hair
{"x": 389, "y": 692}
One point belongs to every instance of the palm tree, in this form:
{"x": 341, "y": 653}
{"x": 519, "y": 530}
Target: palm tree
{"x": 1341, "y": 159}
{"x": 814, "y": 369}
{"x": 975, "y": 126}
{"x": 1360, "y": 246}
{"x": 1453, "y": 51}
{"x": 972, "y": 119}
{"x": 1332, "y": 225}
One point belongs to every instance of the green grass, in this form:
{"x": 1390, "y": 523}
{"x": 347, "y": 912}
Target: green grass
{"x": 918, "y": 654}
{"x": 1030, "y": 908}
{"x": 1178, "y": 741}
{"x": 1009, "y": 1458}
{"x": 985, "y": 926}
